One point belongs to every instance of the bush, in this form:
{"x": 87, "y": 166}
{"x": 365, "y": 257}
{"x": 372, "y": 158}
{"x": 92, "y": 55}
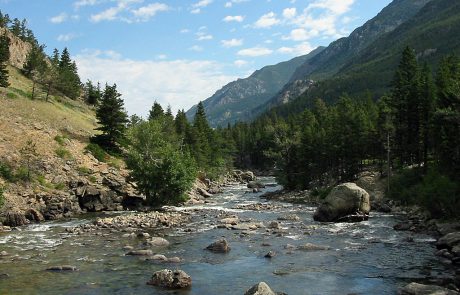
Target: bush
{"x": 60, "y": 139}
{"x": 84, "y": 170}
{"x": 97, "y": 152}
{"x": 11, "y": 95}
{"x": 2, "y": 198}
{"x": 6, "y": 172}
{"x": 22, "y": 174}
{"x": 403, "y": 186}
{"x": 63, "y": 153}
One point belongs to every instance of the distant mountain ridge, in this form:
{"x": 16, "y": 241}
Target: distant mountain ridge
{"x": 236, "y": 100}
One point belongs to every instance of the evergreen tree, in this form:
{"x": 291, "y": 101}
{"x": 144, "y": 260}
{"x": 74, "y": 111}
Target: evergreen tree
{"x": 4, "y": 20}
{"x": 112, "y": 119}
{"x": 156, "y": 112}
{"x": 15, "y": 27}
{"x": 93, "y": 93}
{"x": 4, "y": 58}
{"x": 68, "y": 82}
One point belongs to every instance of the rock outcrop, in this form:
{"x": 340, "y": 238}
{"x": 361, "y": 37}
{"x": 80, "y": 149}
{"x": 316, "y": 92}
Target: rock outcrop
{"x": 171, "y": 279}
{"x": 346, "y": 202}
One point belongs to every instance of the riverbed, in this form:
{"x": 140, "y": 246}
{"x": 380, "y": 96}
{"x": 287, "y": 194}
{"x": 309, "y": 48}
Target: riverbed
{"x": 362, "y": 258}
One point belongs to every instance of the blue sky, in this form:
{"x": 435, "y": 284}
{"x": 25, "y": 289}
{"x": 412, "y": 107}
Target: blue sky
{"x": 181, "y": 52}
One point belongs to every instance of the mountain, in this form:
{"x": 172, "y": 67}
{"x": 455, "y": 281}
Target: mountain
{"x": 329, "y": 62}
{"x": 432, "y": 32}
{"x": 236, "y": 100}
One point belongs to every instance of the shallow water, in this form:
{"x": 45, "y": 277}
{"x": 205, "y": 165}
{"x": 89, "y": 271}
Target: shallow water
{"x": 364, "y": 258}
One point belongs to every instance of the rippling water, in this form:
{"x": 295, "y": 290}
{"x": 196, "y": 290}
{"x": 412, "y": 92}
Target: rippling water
{"x": 364, "y": 258}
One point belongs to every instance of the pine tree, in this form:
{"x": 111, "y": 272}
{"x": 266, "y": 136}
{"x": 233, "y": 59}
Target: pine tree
{"x": 156, "y": 112}
{"x": 4, "y": 20}
{"x": 15, "y": 27}
{"x": 69, "y": 82}
{"x": 4, "y": 58}
{"x": 112, "y": 119}
{"x": 93, "y": 93}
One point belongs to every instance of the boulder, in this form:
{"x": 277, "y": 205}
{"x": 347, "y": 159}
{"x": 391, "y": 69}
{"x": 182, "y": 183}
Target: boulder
{"x": 344, "y": 199}
{"x": 203, "y": 193}
{"x": 448, "y": 241}
{"x": 313, "y": 247}
{"x": 171, "y": 279}
{"x": 247, "y": 176}
{"x": 15, "y": 218}
{"x": 260, "y": 289}
{"x": 419, "y": 289}
{"x": 34, "y": 215}
{"x": 256, "y": 185}
{"x": 140, "y": 253}
{"x": 270, "y": 254}
{"x": 62, "y": 268}
{"x": 220, "y": 246}
{"x": 158, "y": 242}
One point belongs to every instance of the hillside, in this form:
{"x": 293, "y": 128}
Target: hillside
{"x": 432, "y": 32}
{"x": 236, "y": 100}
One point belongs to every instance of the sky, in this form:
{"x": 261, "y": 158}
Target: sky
{"x": 180, "y": 52}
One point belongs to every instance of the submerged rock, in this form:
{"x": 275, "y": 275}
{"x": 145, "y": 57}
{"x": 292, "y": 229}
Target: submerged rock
{"x": 171, "y": 279}
{"x": 63, "y": 268}
{"x": 260, "y": 289}
{"x": 157, "y": 242}
{"x": 313, "y": 247}
{"x": 220, "y": 246}
{"x": 344, "y": 200}
{"x": 270, "y": 254}
{"x": 419, "y": 289}
{"x": 140, "y": 253}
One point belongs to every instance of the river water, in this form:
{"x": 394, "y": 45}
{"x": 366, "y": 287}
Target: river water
{"x": 364, "y": 258}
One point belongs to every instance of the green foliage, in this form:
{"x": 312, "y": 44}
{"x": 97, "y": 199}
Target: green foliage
{"x": 22, "y": 174}
{"x": 162, "y": 171}
{"x": 63, "y": 153}
{"x": 84, "y": 170}
{"x": 68, "y": 81}
{"x": 323, "y": 192}
{"x": 99, "y": 153}
{"x": 61, "y": 139}
{"x": 2, "y": 198}
{"x": 4, "y": 58}
{"x": 112, "y": 119}
{"x": 11, "y": 95}
{"x": 6, "y": 172}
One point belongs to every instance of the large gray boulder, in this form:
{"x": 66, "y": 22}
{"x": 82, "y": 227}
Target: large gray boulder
{"x": 260, "y": 289}
{"x": 220, "y": 246}
{"x": 171, "y": 279}
{"x": 449, "y": 241}
{"x": 346, "y": 202}
{"x": 419, "y": 289}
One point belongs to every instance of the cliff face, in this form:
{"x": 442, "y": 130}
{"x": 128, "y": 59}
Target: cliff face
{"x": 18, "y": 49}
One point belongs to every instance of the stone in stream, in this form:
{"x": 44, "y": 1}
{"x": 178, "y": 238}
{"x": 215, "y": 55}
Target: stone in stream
{"x": 140, "y": 253}
{"x": 157, "y": 257}
{"x": 220, "y": 246}
{"x": 256, "y": 184}
{"x": 157, "y": 242}
{"x": 419, "y": 289}
{"x": 62, "y": 268}
{"x": 270, "y": 254}
{"x": 274, "y": 225}
{"x": 312, "y": 247}
{"x": 289, "y": 217}
{"x": 171, "y": 279}
{"x": 260, "y": 289}
{"x": 449, "y": 241}
{"x": 3, "y": 253}
{"x": 344, "y": 200}
{"x": 174, "y": 260}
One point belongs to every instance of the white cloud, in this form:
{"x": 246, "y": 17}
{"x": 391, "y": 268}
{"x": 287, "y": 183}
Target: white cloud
{"x": 301, "y": 34}
{"x": 228, "y": 4}
{"x": 81, "y": 3}
{"x": 195, "y": 11}
{"x": 184, "y": 31}
{"x": 202, "y": 36}
{"x": 66, "y": 37}
{"x": 267, "y": 20}
{"x": 146, "y": 12}
{"x": 240, "y": 63}
{"x": 196, "y": 48}
{"x": 335, "y": 6}
{"x": 300, "y": 49}
{"x": 60, "y": 18}
{"x": 289, "y": 12}
{"x": 233, "y": 18}
{"x": 202, "y": 3}
{"x": 232, "y": 42}
{"x": 161, "y": 56}
{"x": 255, "y": 51}
{"x": 113, "y": 13}
{"x": 179, "y": 83}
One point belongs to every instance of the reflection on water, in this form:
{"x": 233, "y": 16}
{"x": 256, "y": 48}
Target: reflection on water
{"x": 364, "y": 258}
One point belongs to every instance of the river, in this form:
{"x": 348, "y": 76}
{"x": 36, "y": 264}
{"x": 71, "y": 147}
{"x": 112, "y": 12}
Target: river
{"x": 364, "y": 258}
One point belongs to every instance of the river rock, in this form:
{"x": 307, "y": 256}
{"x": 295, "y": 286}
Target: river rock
{"x": 449, "y": 241}
{"x": 270, "y": 254}
{"x": 140, "y": 253}
{"x": 260, "y": 289}
{"x": 174, "y": 259}
{"x": 274, "y": 225}
{"x": 230, "y": 220}
{"x": 63, "y": 268}
{"x": 419, "y": 289}
{"x": 157, "y": 257}
{"x": 256, "y": 184}
{"x": 313, "y": 247}
{"x": 203, "y": 193}
{"x": 171, "y": 279}
{"x": 34, "y": 215}
{"x": 15, "y": 218}
{"x": 344, "y": 199}
{"x": 220, "y": 246}
{"x": 157, "y": 242}
{"x": 289, "y": 217}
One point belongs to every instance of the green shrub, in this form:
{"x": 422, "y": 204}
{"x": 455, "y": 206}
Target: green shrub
{"x": 60, "y": 139}
{"x": 84, "y": 170}
{"x": 63, "y": 153}
{"x": 6, "y": 172}
{"x": 2, "y": 198}
{"x": 403, "y": 186}
{"x": 97, "y": 152}
{"x": 60, "y": 186}
{"x": 22, "y": 174}
{"x": 92, "y": 179}
{"x": 11, "y": 95}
